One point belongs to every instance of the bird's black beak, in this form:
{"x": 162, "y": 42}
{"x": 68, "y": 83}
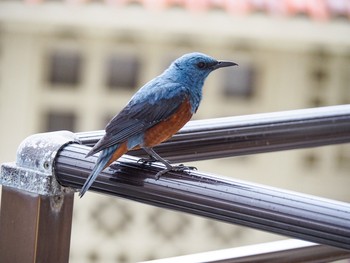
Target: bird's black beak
{"x": 223, "y": 64}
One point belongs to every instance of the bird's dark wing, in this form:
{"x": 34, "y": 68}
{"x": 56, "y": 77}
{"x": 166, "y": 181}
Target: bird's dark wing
{"x": 135, "y": 119}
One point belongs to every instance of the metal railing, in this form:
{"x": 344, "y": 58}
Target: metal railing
{"x": 49, "y": 166}
{"x": 290, "y": 250}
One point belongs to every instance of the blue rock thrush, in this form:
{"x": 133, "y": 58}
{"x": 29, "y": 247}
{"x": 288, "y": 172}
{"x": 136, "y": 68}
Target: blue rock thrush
{"x": 155, "y": 113}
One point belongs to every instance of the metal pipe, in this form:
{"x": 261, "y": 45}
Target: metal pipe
{"x": 283, "y": 212}
{"x": 290, "y": 250}
{"x": 258, "y": 133}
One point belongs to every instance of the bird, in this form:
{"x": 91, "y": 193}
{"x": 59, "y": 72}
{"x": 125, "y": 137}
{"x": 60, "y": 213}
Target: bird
{"x": 155, "y": 113}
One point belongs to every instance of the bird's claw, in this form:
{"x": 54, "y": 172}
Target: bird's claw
{"x": 177, "y": 168}
{"x": 146, "y": 161}
{"x": 183, "y": 168}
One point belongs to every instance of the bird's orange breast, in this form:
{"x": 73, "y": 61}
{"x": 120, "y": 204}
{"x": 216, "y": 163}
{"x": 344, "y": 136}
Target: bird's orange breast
{"x": 167, "y": 128}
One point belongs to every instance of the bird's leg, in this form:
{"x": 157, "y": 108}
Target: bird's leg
{"x": 155, "y": 156}
{"x": 169, "y": 167}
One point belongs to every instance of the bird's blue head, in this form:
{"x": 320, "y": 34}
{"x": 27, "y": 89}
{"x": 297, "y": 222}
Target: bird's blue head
{"x": 195, "y": 67}
{"x": 191, "y": 71}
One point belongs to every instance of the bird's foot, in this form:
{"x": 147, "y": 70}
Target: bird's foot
{"x": 148, "y": 161}
{"x": 175, "y": 168}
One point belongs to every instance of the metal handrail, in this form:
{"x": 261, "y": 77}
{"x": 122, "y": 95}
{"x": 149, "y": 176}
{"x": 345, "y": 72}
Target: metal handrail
{"x": 251, "y": 134}
{"x": 290, "y": 250}
{"x": 275, "y": 210}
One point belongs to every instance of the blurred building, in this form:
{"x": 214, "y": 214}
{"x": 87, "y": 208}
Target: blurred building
{"x": 74, "y": 64}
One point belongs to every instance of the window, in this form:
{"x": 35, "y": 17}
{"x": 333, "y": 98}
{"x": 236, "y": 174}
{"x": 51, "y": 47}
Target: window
{"x": 55, "y": 121}
{"x": 122, "y": 71}
{"x": 311, "y": 160}
{"x": 343, "y": 157}
{"x": 319, "y": 77}
{"x": 64, "y": 67}
{"x": 239, "y": 81}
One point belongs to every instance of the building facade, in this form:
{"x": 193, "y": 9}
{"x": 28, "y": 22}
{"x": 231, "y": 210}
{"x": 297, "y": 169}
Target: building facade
{"x": 73, "y": 65}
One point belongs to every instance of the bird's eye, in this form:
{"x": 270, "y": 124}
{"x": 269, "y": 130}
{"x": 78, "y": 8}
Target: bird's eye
{"x": 201, "y": 65}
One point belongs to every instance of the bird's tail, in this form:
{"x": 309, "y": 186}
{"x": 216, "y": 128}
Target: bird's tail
{"x": 102, "y": 162}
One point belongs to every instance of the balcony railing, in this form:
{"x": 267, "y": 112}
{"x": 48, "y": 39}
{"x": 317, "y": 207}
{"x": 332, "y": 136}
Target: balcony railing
{"x": 38, "y": 189}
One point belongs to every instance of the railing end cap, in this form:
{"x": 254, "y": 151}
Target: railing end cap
{"x": 33, "y": 170}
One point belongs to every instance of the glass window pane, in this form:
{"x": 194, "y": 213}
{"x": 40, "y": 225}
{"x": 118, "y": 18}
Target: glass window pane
{"x": 65, "y": 67}
{"x": 240, "y": 81}
{"x": 55, "y": 121}
{"x": 122, "y": 71}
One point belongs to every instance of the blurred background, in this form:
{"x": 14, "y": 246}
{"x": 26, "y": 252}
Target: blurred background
{"x": 73, "y": 64}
